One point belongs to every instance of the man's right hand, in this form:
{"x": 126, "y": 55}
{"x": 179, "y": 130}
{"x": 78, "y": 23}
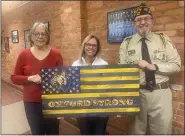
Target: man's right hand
{"x": 143, "y": 64}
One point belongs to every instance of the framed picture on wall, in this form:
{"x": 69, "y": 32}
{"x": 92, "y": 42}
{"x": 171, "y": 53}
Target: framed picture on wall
{"x": 119, "y": 24}
{"x": 15, "y": 36}
{"x": 6, "y": 44}
{"x": 27, "y": 38}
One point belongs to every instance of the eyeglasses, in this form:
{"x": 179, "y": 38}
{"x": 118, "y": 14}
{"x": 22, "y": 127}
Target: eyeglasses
{"x": 40, "y": 34}
{"x": 90, "y": 45}
{"x": 146, "y": 19}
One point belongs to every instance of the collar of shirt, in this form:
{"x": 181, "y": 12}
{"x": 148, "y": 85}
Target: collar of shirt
{"x": 84, "y": 62}
{"x": 148, "y": 37}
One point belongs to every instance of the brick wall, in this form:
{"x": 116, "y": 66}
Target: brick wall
{"x": 71, "y": 21}
{"x": 64, "y": 23}
{"x": 169, "y": 17}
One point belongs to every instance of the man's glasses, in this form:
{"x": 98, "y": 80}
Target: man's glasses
{"x": 146, "y": 19}
{"x": 40, "y": 35}
{"x": 90, "y": 45}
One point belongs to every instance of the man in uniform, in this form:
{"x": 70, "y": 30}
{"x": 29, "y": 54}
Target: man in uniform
{"x": 157, "y": 58}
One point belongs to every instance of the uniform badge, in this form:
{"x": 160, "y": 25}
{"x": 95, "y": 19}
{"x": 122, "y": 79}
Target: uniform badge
{"x": 131, "y": 52}
{"x": 159, "y": 55}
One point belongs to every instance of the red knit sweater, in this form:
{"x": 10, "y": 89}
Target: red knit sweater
{"x": 27, "y": 65}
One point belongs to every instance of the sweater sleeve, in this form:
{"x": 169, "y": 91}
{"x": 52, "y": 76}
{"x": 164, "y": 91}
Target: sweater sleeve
{"x": 18, "y": 76}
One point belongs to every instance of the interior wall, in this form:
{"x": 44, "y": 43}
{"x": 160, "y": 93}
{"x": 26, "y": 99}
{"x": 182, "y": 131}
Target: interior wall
{"x": 169, "y": 18}
{"x": 71, "y": 21}
{"x": 64, "y": 19}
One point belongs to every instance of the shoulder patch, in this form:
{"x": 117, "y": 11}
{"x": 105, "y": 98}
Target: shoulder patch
{"x": 165, "y": 39}
{"x": 162, "y": 37}
{"x": 168, "y": 40}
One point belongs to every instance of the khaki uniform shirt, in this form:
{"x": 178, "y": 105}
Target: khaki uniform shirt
{"x": 162, "y": 52}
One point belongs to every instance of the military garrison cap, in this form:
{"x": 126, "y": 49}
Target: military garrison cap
{"x": 142, "y": 10}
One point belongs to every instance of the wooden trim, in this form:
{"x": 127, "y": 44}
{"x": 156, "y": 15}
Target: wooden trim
{"x": 12, "y": 85}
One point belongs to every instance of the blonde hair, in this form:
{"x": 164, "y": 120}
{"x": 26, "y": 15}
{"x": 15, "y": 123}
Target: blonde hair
{"x": 82, "y": 53}
{"x": 32, "y": 30}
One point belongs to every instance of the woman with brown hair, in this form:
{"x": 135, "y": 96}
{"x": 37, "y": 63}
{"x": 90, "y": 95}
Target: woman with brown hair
{"x": 89, "y": 56}
{"x": 26, "y": 73}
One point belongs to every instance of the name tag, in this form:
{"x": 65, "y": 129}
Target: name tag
{"x": 131, "y": 52}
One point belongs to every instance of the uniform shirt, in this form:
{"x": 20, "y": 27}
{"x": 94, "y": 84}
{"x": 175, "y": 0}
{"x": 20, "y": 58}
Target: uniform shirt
{"x": 97, "y": 61}
{"x": 28, "y": 65}
{"x": 162, "y": 52}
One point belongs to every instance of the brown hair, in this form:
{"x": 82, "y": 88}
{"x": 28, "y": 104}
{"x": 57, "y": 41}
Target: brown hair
{"x": 32, "y": 30}
{"x": 82, "y": 53}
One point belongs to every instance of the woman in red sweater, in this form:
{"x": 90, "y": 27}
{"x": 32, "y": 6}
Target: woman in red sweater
{"x": 26, "y": 73}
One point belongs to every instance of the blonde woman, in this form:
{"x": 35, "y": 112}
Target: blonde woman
{"x": 89, "y": 56}
{"x": 26, "y": 73}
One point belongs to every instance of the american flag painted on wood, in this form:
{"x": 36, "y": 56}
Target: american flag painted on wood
{"x": 90, "y": 90}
